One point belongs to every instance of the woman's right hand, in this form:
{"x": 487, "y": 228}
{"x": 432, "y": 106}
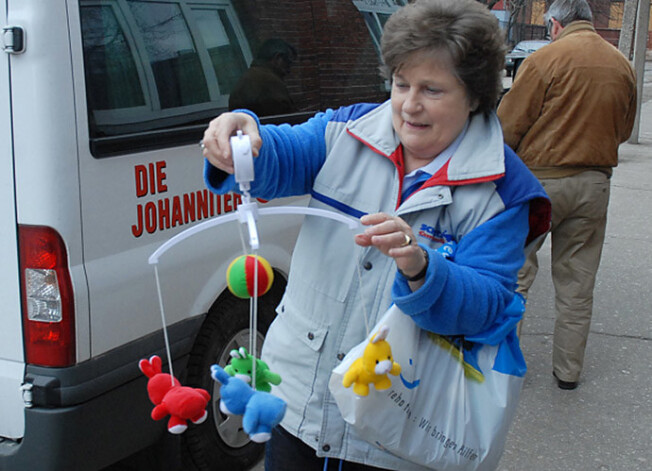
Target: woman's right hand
{"x": 216, "y": 142}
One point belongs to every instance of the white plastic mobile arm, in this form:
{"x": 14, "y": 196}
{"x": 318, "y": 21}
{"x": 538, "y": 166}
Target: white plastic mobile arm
{"x": 248, "y": 211}
{"x": 353, "y": 224}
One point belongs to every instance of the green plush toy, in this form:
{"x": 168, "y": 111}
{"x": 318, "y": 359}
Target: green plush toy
{"x": 241, "y": 367}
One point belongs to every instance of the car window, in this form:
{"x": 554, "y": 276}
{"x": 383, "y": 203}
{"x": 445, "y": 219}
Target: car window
{"x": 158, "y": 70}
{"x": 529, "y": 46}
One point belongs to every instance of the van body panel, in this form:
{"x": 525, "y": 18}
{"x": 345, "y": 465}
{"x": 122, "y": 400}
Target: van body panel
{"x": 102, "y": 401}
{"x": 132, "y": 204}
{"x": 11, "y": 415}
{"x": 45, "y": 141}
{"x": 124, "y": 301}
{"x": 11, "y": 333}
{"x": 101, "y": 118}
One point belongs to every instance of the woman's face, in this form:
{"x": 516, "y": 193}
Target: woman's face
{"x": 429, "y": 107}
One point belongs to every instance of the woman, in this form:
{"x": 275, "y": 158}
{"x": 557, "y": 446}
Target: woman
{"x": 426, "y": 168}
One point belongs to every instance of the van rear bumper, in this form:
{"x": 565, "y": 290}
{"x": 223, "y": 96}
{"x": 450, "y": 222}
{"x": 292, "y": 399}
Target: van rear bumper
{"x": 91, "y": 415}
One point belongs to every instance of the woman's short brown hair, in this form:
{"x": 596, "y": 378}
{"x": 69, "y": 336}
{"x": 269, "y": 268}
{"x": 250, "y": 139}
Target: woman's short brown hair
{"x": 465, "y": 29}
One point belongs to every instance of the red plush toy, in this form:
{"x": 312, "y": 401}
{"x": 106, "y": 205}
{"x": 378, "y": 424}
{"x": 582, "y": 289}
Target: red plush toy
{"x": 182, "y": 403}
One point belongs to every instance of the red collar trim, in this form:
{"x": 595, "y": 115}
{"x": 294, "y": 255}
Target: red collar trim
{"x": 395, "y": 157}
{"x": 441, "y": 178}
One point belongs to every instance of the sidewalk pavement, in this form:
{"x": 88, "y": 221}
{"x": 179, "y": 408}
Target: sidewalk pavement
{"x": 606, "y": 423}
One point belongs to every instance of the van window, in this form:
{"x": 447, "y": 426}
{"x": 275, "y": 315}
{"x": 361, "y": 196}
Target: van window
{"x": 158, "y": 70}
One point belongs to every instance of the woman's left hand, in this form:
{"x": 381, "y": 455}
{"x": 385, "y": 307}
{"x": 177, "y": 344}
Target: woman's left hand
{"x": 393, "y": 237}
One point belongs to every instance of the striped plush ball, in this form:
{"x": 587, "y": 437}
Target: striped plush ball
{"x": 240, "y": 276}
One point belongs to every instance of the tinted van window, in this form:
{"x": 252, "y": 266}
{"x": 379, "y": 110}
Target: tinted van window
{"x": 158, "y": 71}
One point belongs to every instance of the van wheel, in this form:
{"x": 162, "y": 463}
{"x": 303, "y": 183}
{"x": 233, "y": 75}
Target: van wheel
{"x": 220, "y": 442}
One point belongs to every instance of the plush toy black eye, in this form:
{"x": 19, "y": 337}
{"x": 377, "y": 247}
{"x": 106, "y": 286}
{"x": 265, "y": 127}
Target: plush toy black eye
{"x": 248, "y": 372}
{"x": 376, "y": 362}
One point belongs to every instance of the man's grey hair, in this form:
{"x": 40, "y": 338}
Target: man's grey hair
{"x": 567, "y": 11}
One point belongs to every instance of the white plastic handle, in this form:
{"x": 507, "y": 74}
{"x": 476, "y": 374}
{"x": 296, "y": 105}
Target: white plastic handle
{"x": 353, "y": 224}
{"x": 243, "y": 160}
{"x": 248, "y": 212}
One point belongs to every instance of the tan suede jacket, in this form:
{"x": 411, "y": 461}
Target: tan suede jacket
{"x": 571, "y": 105}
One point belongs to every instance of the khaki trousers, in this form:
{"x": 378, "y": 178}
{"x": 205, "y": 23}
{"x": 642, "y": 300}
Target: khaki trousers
{"x": 579, "y": 219}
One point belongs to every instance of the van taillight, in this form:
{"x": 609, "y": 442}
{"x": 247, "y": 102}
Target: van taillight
{"x": 48, "y": 309}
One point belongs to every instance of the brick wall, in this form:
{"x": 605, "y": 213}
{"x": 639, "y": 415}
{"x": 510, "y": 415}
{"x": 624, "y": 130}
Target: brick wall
{"x": 337, "y": 63}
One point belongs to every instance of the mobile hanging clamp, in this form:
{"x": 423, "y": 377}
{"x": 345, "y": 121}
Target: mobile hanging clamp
{"x": 243, "y": 163}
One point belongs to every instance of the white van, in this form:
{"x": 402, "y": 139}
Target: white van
{"x": 102, "y": 104}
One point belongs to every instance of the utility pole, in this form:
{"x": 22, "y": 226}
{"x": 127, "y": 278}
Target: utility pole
{"x": 626, "y": 40}
{"x": 640, "y": 45}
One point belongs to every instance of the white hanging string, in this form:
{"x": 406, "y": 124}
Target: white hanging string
{"x": 362, "y": 295}
{"x": 253, "y": 300}
{"x": 253, "y": 328}
{"x": 253, "y": 307}
{"x": 242, "y": 240}
{"x": 165, "y": 329}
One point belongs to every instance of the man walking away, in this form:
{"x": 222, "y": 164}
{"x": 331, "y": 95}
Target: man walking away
{"x": 571, "y": 105}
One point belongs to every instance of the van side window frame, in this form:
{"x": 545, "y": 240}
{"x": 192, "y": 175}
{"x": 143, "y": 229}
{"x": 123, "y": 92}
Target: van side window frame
{"x": 124, "y": 130}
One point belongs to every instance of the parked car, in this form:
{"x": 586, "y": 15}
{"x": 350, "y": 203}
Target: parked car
{"x": 517, "y": 55}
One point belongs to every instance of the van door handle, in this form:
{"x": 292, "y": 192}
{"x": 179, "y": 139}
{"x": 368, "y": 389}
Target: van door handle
{"x": 13, "y": 39}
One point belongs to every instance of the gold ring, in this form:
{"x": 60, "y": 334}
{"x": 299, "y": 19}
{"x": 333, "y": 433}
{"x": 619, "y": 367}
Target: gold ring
{"x": 407, "y": 241}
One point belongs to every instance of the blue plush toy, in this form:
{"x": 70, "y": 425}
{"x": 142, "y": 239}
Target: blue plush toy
{"x": 260, "y": 411}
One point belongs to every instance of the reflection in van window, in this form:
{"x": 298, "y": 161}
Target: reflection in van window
{"x": 262, "y": 88}
{"x": 158, "y": 70}
{"x": 223, "y": 47}
{"x": 110, "y": 66}
{"x": 153, "y": 65}
{"x": 171, "y": 52}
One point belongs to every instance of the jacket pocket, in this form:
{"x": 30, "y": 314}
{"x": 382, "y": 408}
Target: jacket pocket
{"x": 307, "y": 327}
{"x": 324, "y": 260}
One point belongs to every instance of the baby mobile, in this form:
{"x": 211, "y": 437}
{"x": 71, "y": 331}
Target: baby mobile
{"x": 247, "y": 381}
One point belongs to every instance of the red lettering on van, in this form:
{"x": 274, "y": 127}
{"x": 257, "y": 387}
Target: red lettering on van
{"x": 188, "y": 208}
{"x": 202, "y": 203}
{"x": 177, "y": 219}
{"x": 150, "y": 217}
{"x": 141, "y": 180}
{"x": 227, "y": 203}
{"x": 150, "y": 179}
{"x": 137, "y": 229}
{"x": 161, "y": 187}
{"x": 166, "y": 213}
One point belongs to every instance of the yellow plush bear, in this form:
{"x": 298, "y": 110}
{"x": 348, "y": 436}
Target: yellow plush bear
{"x": 374, "y": 365}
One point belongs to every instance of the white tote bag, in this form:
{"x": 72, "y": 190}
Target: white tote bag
{"x": 451, "y": 406}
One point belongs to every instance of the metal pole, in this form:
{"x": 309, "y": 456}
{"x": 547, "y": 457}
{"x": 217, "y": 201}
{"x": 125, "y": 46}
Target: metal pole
{"x": 626, "y": 39}
{"x": 640, "y": 45}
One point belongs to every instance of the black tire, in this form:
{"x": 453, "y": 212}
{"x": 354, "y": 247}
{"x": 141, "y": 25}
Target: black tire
{"x": 220, "y": 443}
